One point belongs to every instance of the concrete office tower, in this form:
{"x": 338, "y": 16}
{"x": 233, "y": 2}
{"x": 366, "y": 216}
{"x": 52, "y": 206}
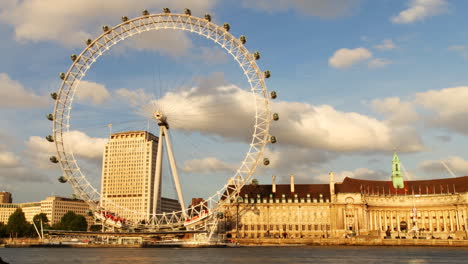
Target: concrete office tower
{"x": 128, "y": 171}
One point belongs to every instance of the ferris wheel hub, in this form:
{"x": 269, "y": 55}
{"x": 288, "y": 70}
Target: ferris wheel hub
{"x": 161, "y": 118}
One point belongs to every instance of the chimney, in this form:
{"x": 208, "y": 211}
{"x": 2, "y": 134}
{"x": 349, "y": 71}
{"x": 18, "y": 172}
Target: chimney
{"x": 332, "y": 183}
{"x": 273, "y": 184}
{"x": 292, "y": 183}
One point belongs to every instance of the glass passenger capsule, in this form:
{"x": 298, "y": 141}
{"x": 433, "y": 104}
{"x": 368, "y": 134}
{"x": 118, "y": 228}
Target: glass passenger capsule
{"x": 166, "y": 10}
{"x": 124, "y": 19}
{"x": 243, "y": 39}
{"x": 73, "y": 57}
{"x": 275, "y": 116}
{"x": 226, "y": 26}
{"x": 187, "y": 12}
{"x": 62, "y": 75}
{"x": 273, "y": 139}
{"x": 54, "y": 96}
{"x": 145, "y": 13}
{"x": 267, "y": 74}
{"x": 88, "y": 41}
{"x": 256, "y": 55}
{"x": 266, "y": 161}
{"x": 53, "y": 159}
{"x": 208, "y": 17}
{"x": 50, "y": 117}
{"x": 105, "y": 28}
{"x": 62, "y": 179}
{"x": 50, "y": 138}
{"x": 273, "y": 95}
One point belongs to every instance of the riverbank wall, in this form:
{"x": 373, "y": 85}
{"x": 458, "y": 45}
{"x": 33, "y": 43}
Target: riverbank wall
{"x": 352, "y": 242}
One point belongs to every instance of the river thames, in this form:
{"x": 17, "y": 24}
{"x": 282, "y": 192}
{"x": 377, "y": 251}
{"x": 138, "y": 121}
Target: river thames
{"x": 244, "y": 255}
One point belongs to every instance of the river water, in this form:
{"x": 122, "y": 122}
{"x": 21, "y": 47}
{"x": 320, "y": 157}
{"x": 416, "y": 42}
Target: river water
{"x": 244, "y": 255}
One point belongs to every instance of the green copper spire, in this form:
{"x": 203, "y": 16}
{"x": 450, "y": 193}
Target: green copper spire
{"x": 397, "y": 177}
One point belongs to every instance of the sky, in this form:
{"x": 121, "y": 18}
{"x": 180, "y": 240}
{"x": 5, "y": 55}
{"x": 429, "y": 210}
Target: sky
{"x": 357, "y": 80}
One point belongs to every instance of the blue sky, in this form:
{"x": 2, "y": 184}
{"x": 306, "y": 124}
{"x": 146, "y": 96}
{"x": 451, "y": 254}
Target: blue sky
{"x": 357, "y": 79}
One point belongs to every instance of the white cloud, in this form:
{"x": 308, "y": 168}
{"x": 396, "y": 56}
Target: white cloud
{"x": 71, "y": 22}
{"x": 344, "y": 58}
{"x": 419, "y": 10}
{"x": 95, "y": 92}
{"x": 458, "y": 165}
{"x": 378, "y": 63}
{"x": 83, "y": 146}
{"x": 396, "y": 111}
{"x": 135, "y": 97}
{"x": 448, "y": 106}
{"x": 9, "y": 160}
{"x": 207, "y": 165}
{"x": 320, "y": 8}
{"x": 227, "y": 111}
{"x": 387, "y": 44}
{"x": 14, "y": 95}
{"x": 323, "y": 127}
{"x": 462, "y": 50}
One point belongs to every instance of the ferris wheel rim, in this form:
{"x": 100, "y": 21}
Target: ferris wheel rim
{"x": 66, "y": 157}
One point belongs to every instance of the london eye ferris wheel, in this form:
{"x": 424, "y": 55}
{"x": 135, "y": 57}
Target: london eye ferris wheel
{"x": 159, "y": 112}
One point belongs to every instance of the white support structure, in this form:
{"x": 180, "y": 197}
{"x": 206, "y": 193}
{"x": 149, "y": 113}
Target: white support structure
{"x": 172, "y": 162}
{"x": 157, "y": 173}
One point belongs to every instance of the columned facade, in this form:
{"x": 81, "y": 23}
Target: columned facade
{"x": 354, "y": 207}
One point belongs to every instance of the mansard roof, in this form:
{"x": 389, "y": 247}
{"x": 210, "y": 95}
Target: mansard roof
{"x": 350, "y": 185}
{"x": 435, "y": 186}
{"x": 314, "y": 190}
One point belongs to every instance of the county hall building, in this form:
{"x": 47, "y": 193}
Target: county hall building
{"x": 394, "y": 209}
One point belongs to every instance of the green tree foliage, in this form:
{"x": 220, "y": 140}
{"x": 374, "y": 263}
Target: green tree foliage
{"x": 37, "y": 219}
{"x": 95, "y": 228}
{"x": 73, "y": 222}
{"x": 3, "y": 230}
{"x": 17, "y": 225}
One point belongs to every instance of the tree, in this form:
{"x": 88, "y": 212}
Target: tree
{"x": 17, "y": 225}
{"x": 3, "y": 230}
{"x": 73, "y": 222}
{"x": 95, "y": 228}
{"x": 42, "y": 216}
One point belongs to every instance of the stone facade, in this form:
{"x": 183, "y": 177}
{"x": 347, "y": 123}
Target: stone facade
{"x": 54, "y": 207}
{"x": 423, "y": 209}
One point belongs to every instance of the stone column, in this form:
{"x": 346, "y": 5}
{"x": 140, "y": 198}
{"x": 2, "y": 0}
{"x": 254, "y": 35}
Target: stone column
{"x": 380, "y": 220}
{"x": 450, "y": 214}
{"x": 444, "y": 220}
{"x": 385, "y": 220}
{"x": 431, "y": 215}
{"x": 391, "y": 220}
{"x": 398, "y": 221}
{"x": 437, "y": 220}
{"x": 457, "y": 215}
